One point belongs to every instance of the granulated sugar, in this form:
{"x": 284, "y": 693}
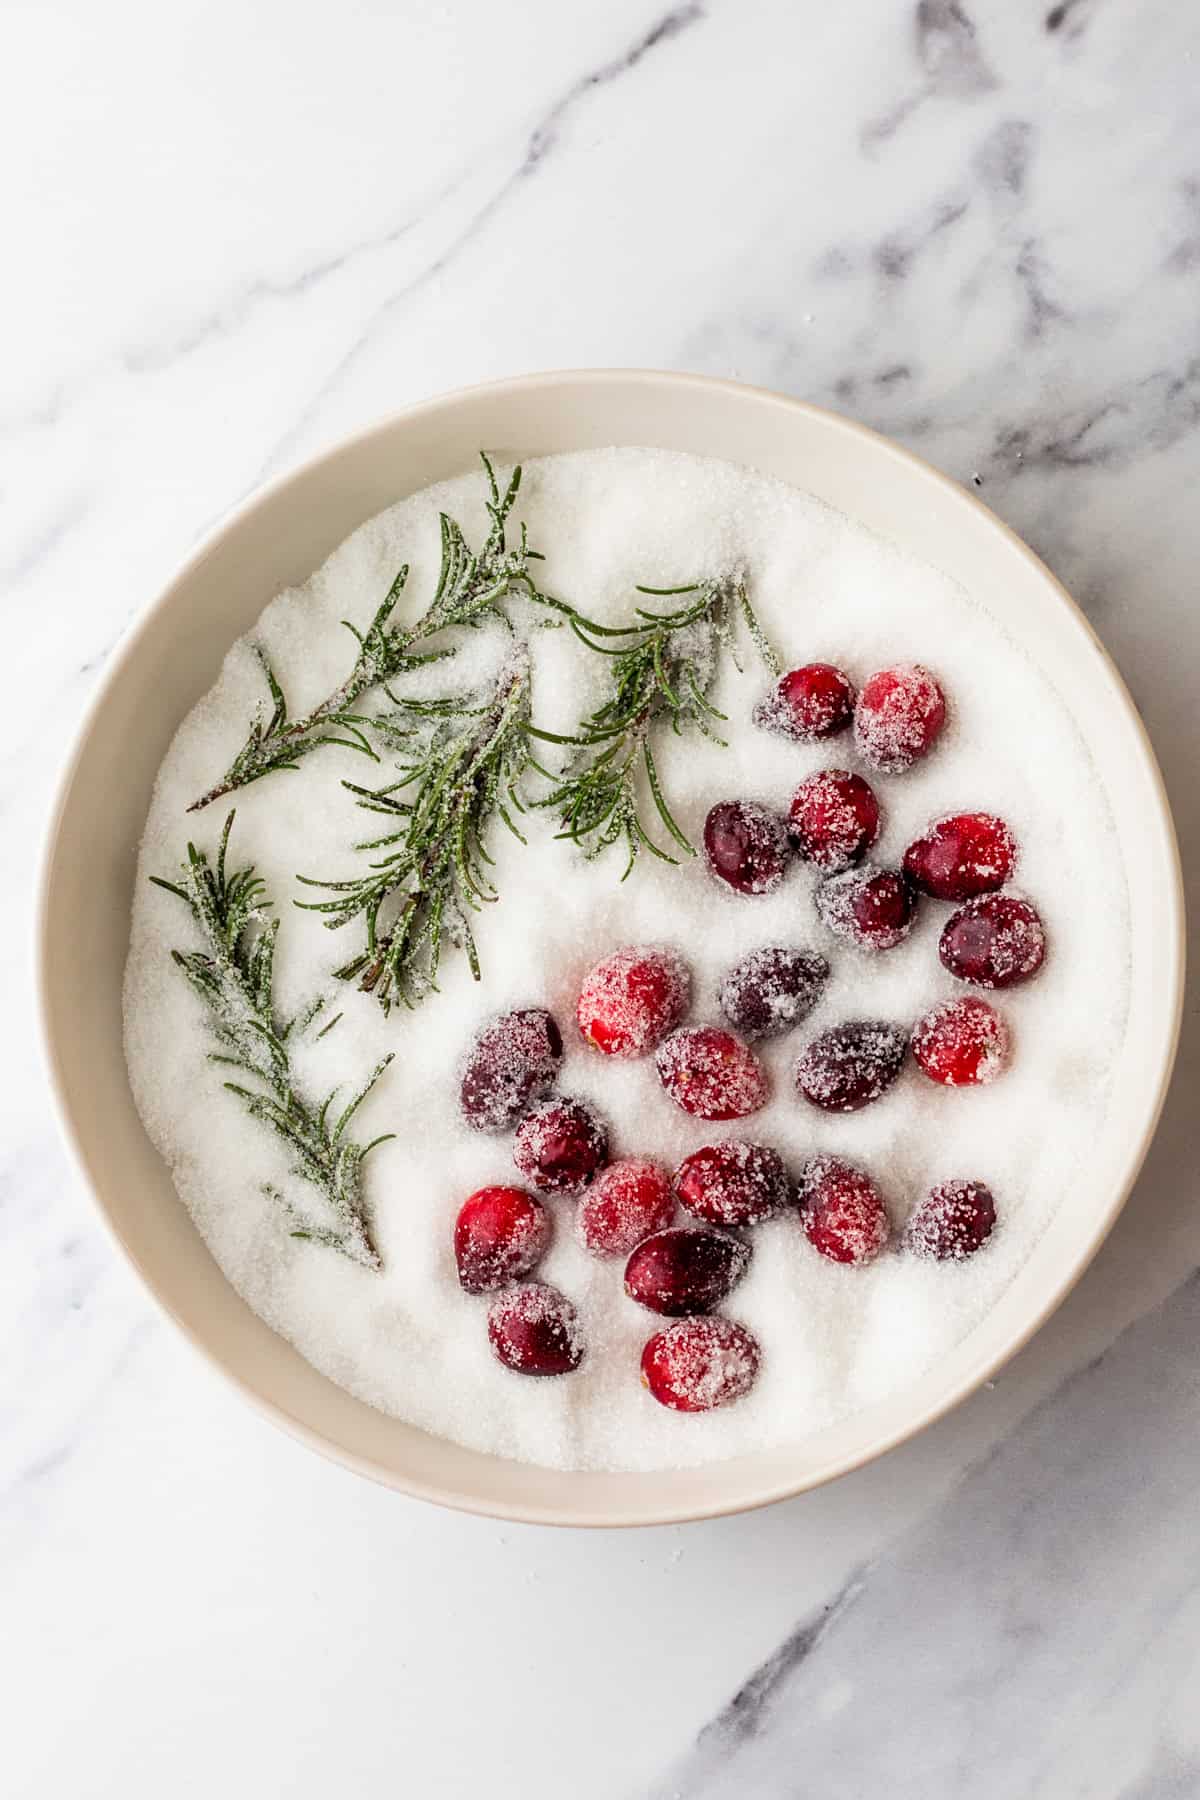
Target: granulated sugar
{"x": 834, "y": 1339}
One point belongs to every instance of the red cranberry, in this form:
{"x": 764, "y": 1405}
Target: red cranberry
{"x": 711, "y": 1074}
{"x": 772, "y": 989}
{"x": 961, "y": 1043}
{"x": 898, "y": 717}
{"x": 513, "y": 1061}
{"x": 746, "y": 845}
{"x": 560, "y": 1145}
{"x": 814, "y": 702}
{"x": 534, "y": 1330}
{"x": 685, "y": 1270}
{"x": 732, "y": 1183}
{"x": 872, "y": 908}
{"x": 842, "y": 1211}
{"x": 632, "y": 999}
{"x": 959, "y": 857}
{"x": 834, "y": 819}
{"x": 697, "y": 1364}
{"x": 628, "y": 1201}
{"x": 499, "y": 1235}
{"x": 995, "y": 941}
{"x": 952, "y": 1221}
{"x": 851, "y": 1065}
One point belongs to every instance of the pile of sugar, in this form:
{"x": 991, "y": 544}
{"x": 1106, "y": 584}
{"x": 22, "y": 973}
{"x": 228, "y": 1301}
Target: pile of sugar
{"x": 834, "y": 1339}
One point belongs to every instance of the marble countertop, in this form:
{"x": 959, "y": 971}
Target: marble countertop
{"x": 238, "y": 232}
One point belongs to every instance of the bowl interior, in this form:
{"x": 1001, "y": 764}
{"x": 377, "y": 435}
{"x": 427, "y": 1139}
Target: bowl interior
{"x": 277, "y": 540}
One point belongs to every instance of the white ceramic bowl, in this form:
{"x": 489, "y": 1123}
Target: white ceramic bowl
{"x": 275, "y": 540}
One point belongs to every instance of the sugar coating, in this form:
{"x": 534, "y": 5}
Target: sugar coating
{"x": 700, "y": 1363}
{"x": 834, "y": 1340}
{"x": 711, "y": 1074}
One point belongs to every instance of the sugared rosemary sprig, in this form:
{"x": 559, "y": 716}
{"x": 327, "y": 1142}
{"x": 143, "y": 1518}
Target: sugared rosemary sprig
{"x": 663, "y": 670}
{"x": 471, "y": 586}
{"x": 234, "y": 976}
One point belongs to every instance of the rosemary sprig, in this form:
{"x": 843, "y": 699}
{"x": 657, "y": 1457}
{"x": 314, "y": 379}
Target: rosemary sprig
{"x": 664, "y": 666}
{"x": 234, "y": 976}
{"x": 471, "y": 586}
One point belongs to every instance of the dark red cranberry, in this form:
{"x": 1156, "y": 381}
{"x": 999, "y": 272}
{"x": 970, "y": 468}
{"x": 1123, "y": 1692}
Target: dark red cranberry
{"x": 746, "y": 845}
{"x": 534, "y": 1330}
{"x": 711, "y": 1074}
{"x": 732, "y": 1183}
{"x": 959, "y": 857}
{"x": 626, "y": 1203}
{"x": 995, "y": 941}
{"x": 814, "y": 702}
{"x": 834, "y": 819}
{"x": 869, "y": 907}
{"x": 842, "y": 1211}
{"x": 561, "y": 1145}
{"x": 851, "y": 1065}
{"x": 899, "y": 715}
{"x": 685, "y": 1270}
{"x": 697, "y": 1364}
{"x": 513, "y": 1061}
{"x": 961, "y": 1043}
{"x": 772, "y": 989}
{"x": 499, "y": 1235}
{"x": 952, "y": 1221}
{"x": 632, "y": 999}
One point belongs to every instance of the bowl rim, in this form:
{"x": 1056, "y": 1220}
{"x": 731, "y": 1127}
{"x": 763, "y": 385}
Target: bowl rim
{"x": 417, "y": 1487}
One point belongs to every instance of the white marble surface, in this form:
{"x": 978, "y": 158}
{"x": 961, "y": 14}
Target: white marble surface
{"x": 236, "y": 232}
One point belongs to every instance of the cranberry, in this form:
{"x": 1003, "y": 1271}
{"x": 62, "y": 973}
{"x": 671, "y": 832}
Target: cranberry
{"x": 961, "y": 1043}
{"x": 560, "y": 1145}
{"x": 842, "y": 1211}
{"x": 632, "y": 999}
{"x": 513, "y": 1061}
{"x": 872, "y": 908}
{"x": 898, "y": 717}
{"x": 627, "y": 1202}
{"x": 535, "y": 1330}
{"x": 732, "y": 1183}
{"x": 814, "y": 702}
{"x": 499, "y": 1235}
{"x": 959, "y": 857}
{"x": 746, "y": 845}
{"x": 995, "y": 941}
{"x": 711, "y": 1074}
{"x": 834, "y": 819}
{"x": 952, "y": 1221}
{"x": 772, "y": 989}
{"x": 685, "y": 1270}
{"x": 851, "y": 1065}
{"x": 696, "y": 1364}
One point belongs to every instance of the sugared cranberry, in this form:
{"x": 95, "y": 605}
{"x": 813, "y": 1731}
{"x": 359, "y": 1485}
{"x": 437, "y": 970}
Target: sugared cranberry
{"x": 814, "y": 702}
{"x": 842, "y": 1211}
{"x": 513, "y": 1061}
{"x": 995, "y": 941}
{"x": 961, "y": 1043}
{"x": 959, "y": 857}
{"x": 632, "y": 999}
{"x": 560, "y": 1145}
{"x": 898, "y": 717}
{"x": 732, "y": 1183}
{"x": 499, "y": 1235}
{"x": 685, "y": 1270}
{"x": 711, "y": 1074}
{"x": 869, "y": 907}
{"x": 834, "y": 819}
{"x": 746, "y": 845}
{"x": 534, "y": 1330}
{"x": 697, "y": 1364}
{"x": 626, "y": 1203}
{"x": 851, "y": 1065}
{"x": 952, "y": 1221}
{"x": 772, "y": 989}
